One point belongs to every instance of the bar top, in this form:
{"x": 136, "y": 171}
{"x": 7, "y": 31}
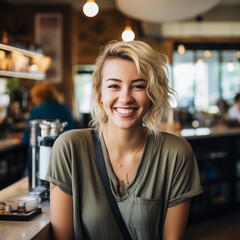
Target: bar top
{"x": 23, "y": 230}
{"x": 219, "y": 130}
{"x": 215, "y": 131}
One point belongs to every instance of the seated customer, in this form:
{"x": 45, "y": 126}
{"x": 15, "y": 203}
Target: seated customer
{"x": 234, "y": 111}
{"x": 47, "y": 106}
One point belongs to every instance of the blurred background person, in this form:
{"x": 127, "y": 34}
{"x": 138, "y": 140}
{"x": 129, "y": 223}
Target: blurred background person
{"x": 234, "y": 111}
{"x": 47, "y": 106}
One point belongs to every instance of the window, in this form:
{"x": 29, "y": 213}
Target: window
{"x": 83, "y": 91}
{"x": 206, "y": 73}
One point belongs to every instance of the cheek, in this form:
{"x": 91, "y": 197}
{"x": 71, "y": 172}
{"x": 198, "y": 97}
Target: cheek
{"x": 107, "y": 97}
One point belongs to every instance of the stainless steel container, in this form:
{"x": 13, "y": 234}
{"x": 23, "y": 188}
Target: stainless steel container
{"x": 43, "y": 134}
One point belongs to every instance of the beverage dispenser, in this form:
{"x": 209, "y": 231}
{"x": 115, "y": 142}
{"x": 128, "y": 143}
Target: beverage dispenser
{"x": 42, "y": 137}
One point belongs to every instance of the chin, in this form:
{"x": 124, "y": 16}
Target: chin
{"x": 128, "y": 126}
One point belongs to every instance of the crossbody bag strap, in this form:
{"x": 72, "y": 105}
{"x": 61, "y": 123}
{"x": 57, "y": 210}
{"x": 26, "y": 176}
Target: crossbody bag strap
{"x": 105, "y": 181}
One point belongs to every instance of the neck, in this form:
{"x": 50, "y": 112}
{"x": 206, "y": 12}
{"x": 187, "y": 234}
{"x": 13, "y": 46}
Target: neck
{"x": 122, "y": 140}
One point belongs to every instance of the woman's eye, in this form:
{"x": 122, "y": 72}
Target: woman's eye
{"x": 113, "y": 86}
{"x": 139, "y": 87}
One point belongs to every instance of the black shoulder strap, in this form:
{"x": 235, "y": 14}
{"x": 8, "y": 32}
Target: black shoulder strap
{"x": 105, "y": 180}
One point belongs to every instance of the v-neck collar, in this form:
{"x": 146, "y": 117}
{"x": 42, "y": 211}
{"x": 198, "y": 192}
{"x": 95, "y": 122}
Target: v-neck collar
{"x": 138, "y": 173}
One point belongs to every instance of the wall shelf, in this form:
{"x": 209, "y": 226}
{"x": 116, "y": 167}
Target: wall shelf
{"x": 35, "y": 76}
{"x": 22, "y": 61}
{"x": 26, "y": 53}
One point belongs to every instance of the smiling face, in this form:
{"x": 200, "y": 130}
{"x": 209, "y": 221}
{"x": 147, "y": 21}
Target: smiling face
{"x": 123, "y": 94}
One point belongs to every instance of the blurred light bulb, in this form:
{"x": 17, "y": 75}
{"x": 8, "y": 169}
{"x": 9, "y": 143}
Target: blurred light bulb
{"x": 90, "y": 8}
{"x": 207, "y": 53}
{"x": 195, "y": 123}
{"x": 128, "y": 34}
{"x": 181, "y": 49}
{"x": 238, "y": 54}
{"x": 33, "y": 68}
{"x": 230, "y": 67}
{"x": 200, "y": 61}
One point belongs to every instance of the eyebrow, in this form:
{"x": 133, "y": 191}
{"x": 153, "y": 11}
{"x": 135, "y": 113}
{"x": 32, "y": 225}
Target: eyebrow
{"x": 118, "y": 80}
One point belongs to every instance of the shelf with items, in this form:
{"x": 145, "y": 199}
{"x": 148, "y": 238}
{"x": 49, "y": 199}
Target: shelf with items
{"x": 21, "y": 63}
{"x": 36, "y": 76}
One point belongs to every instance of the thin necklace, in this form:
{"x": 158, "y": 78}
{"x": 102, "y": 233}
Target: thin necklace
{"x": 128, "y": 159}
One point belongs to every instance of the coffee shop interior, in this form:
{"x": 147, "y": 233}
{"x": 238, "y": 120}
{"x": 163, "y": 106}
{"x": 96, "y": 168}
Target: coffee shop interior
{"x": 55, "y": 41}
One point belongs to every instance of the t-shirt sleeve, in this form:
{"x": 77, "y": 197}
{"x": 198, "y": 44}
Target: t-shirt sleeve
{"x": 185, "y": 180}
{"x": 60, "y": 167}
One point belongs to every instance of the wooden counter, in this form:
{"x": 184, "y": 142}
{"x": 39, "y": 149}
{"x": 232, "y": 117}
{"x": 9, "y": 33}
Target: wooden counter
{"x": 37, "y": 228}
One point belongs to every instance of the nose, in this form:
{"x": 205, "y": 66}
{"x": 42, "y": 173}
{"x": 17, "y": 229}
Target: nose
{"x": 125, "y": 96}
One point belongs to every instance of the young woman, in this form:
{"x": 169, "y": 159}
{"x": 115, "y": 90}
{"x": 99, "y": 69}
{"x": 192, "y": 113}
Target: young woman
{"x": 152, "y": 174}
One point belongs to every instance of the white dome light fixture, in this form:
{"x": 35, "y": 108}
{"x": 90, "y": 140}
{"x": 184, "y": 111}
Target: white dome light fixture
{"x": 90, "y": 8}
{"x": 160, "y": 11}
{"x": 128, "y": 34}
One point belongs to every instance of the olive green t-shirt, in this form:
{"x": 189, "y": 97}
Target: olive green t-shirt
{"x": 166, "y": 176}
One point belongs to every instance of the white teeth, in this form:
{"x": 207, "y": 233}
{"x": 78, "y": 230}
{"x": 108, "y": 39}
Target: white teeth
{"x": 124, "y": 111}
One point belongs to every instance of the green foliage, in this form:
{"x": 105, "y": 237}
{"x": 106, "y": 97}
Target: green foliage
{"x": 12, "y": 84}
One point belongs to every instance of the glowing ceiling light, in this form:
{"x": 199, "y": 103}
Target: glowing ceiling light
{"x": 230, "y": 67}
{"x": 128, "y": 34}
{"x": 200, "y": 61}
{"x": 207, "y": 53}
{"x": 238, "y": 54}
{"x": 90, "y": 8}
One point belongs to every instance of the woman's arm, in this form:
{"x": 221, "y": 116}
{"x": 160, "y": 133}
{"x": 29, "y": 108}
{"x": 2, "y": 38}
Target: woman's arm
{"x": 61, "y": 213}
{"x": 176, "y": 221}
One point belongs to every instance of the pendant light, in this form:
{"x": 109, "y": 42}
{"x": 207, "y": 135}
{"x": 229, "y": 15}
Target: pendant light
{"x": 238, "y": 54}
{"x": 90, "y": 8}
{"x": 207, "y": 53}
{"x": 128, "y": 34}
{"x": 230, "y": 67}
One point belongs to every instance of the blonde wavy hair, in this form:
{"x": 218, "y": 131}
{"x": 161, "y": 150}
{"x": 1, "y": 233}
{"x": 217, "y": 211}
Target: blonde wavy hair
{"x": 151, "y": 65}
